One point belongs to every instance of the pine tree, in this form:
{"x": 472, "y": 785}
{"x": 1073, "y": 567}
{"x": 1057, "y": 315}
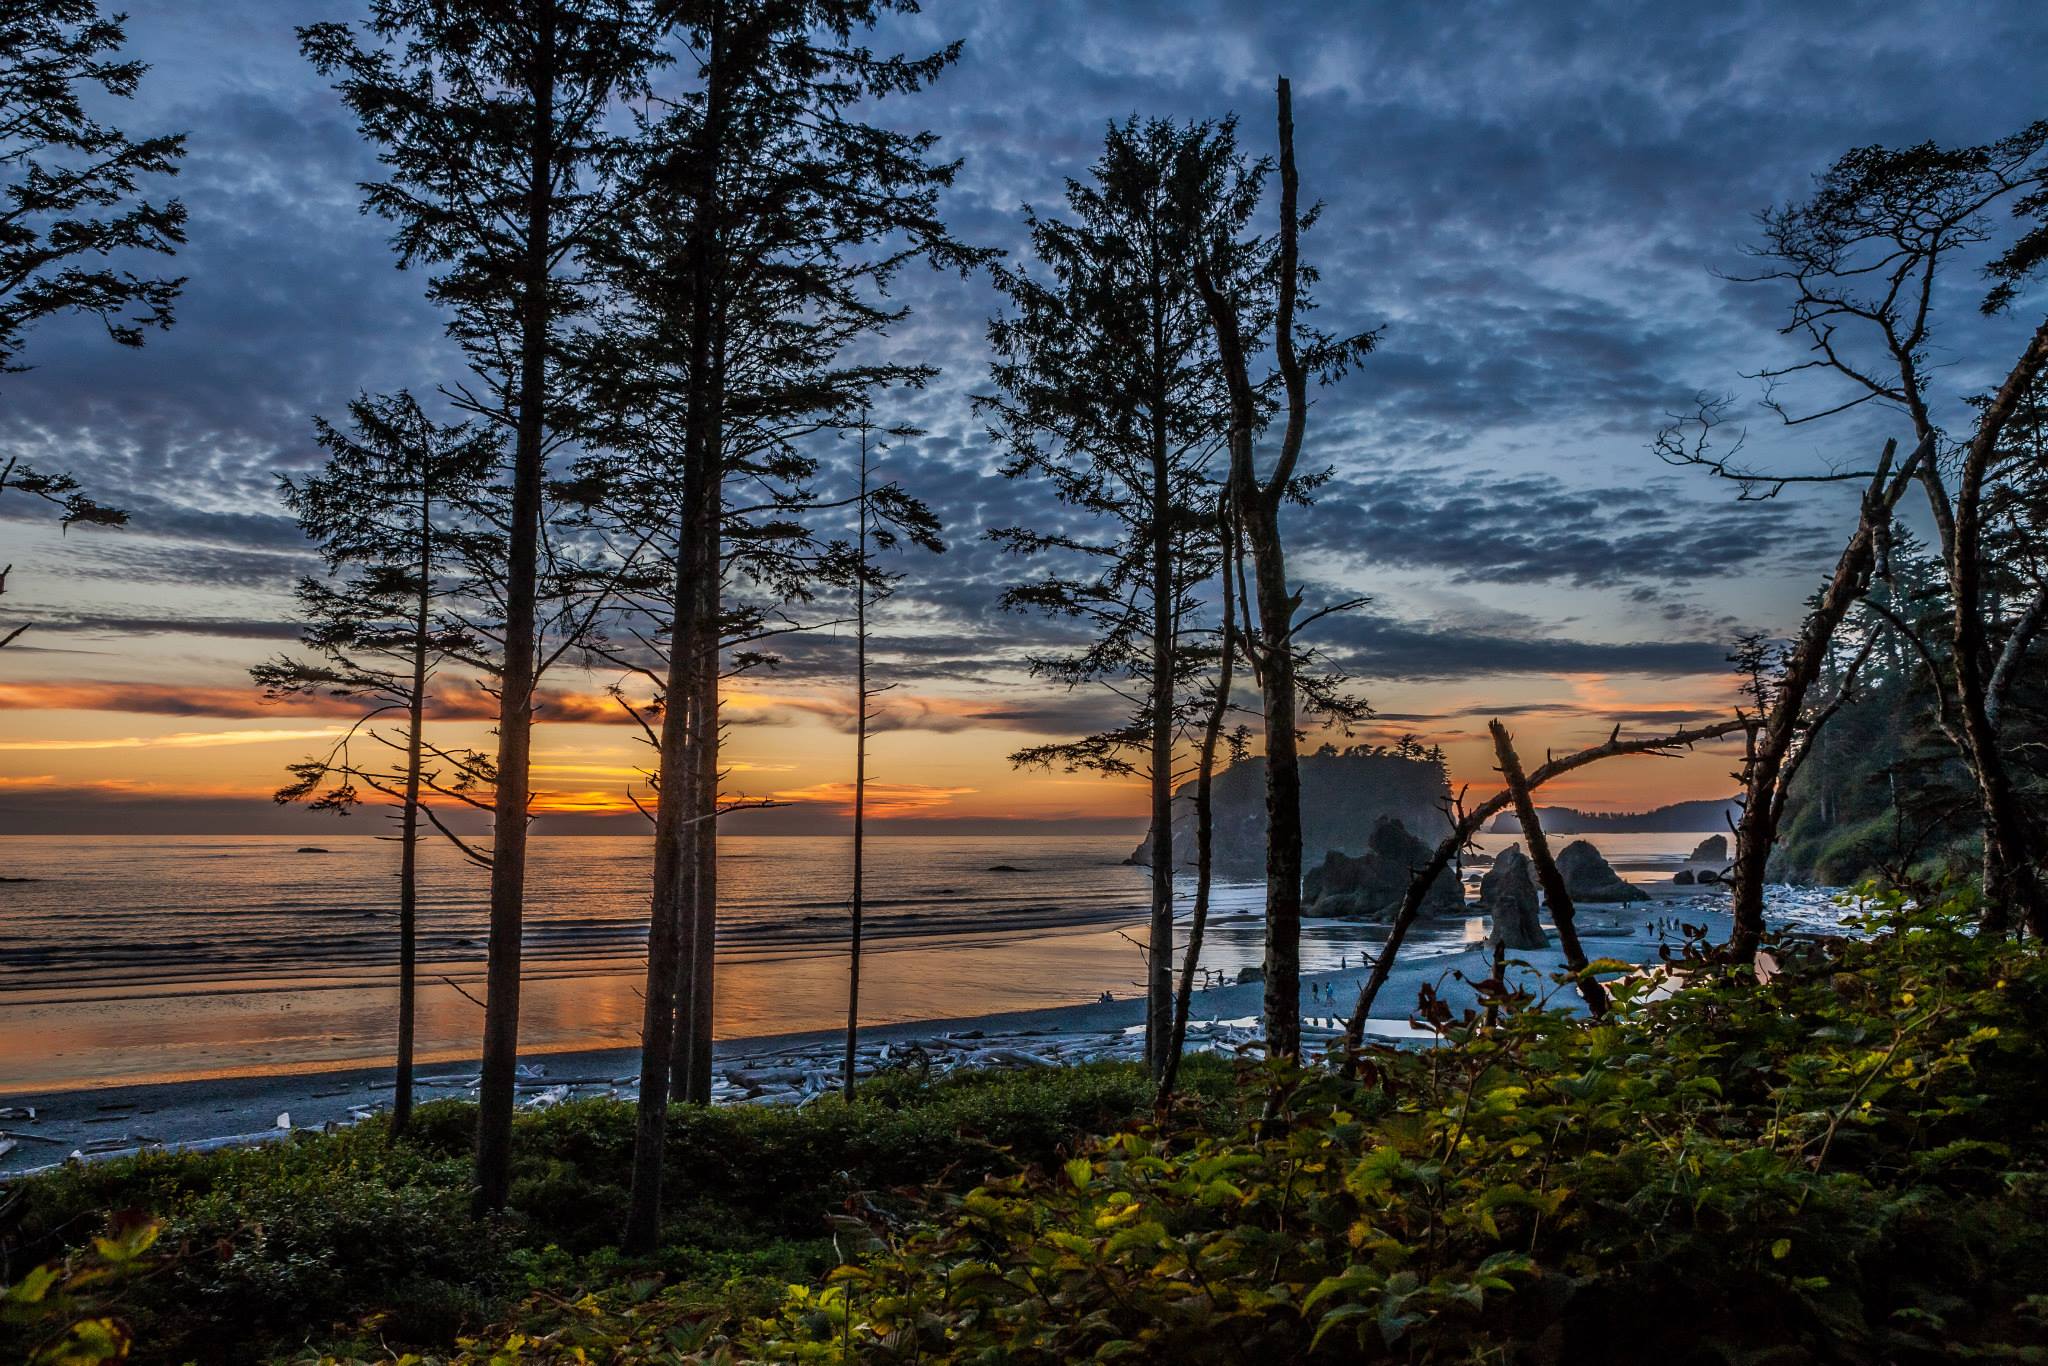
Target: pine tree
{"x": 390, "y": 513}
{"x": 770, "y": 222}
{"x": 72, "y": 208}
{"x": 497, "y": 121}
{"x": 1110, "y": 388}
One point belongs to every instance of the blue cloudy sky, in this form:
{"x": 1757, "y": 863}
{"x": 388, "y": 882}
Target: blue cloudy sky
{"x": 1536, "y": 201}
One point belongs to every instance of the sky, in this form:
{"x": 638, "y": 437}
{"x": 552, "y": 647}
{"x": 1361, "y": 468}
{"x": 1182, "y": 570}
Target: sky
{"x": 1539, "y": 204}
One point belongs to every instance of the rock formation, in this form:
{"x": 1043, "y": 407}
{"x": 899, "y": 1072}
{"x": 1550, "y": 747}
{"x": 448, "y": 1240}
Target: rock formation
{"x": 1508, "y": 891}
{"x": 1712, "y": 849}
{"x": 1371, "y": 885}
{"x": 1343, "y": 796}
{"x": 1588, "y": 877}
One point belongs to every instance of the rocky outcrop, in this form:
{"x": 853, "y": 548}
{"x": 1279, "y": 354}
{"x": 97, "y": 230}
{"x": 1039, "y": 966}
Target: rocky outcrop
{"x": 1712, "y": 849}
{"x": 1684, "y": 877}
{"x": 1371, "y": 885}
{"x": 1508, "y": 891}
{"x": 1343, "y": 797}
{"x": 1588, "y": 877}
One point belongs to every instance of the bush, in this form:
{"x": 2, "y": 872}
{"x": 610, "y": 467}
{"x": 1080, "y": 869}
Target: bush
{"x": 1849, "y": 1163}
{"x": 323, "y": 1236}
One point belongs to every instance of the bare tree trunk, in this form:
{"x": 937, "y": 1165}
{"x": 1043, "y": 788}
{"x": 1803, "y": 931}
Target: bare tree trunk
{"x": 860, "y": 775}
{"x": 1205, "y": 822}
{"x": 1562, "y": 913}
{"x": 1774, "y": 734}
{"x": 1159, "y": 949}
{"x": 1473, "y": 820}
{"x": 409, "y": 824}
{"x": 676, "y": 832}
{"x": 1257, "y": 507}
{"x": 2012, "y": 882}
{"x": 495, "y": 1087}
{"x": 704, "y": 982}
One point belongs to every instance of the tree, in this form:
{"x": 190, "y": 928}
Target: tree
{"x": 770, "y": 221}
{"x": 1862, "y": 257}
{"x": 876, "y": 523}
{"x": 1108, "y": 386}
{"x": 388, "y": 513}
{"x": 1271, "y": 647}
{"x": 496, "y": 121}
{"x": 72, "y": 208}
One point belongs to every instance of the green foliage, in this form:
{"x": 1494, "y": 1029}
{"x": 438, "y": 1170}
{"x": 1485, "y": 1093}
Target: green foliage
{"x": 358, "y": 1238}
{"x": 1843, "y": 1164}
{"x": 62, "y": 1314}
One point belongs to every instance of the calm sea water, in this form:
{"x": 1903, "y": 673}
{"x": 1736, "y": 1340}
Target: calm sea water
{"x": 129, "y": 958}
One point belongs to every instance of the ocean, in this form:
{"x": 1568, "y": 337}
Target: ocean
{"x": 133, "y": 958}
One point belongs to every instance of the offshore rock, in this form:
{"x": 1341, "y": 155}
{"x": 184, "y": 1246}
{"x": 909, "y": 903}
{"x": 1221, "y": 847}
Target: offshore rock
{"x": 1371, "y": 885}
{"x": 1343, "y": 797}
{"x": 1713, "y": 849}
{"x": 1508, "y": 892}
{"x": 1588, "y": 877}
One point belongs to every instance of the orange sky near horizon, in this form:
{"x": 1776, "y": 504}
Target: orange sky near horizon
{"x": 936, "y": 756}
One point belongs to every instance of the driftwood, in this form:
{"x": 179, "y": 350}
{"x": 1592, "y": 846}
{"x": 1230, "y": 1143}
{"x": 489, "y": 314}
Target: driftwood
{"x": 1468, "y": 824}
{"x": 1555, "y": 894}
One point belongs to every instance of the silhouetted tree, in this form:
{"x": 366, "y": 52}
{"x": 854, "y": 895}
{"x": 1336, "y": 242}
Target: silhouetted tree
{"x": 389, "y": 513}
{"x": 769, "y": 222}
{"x": 1229, "y": 276}
{"x": 1862, "y": 257}
{"x": 72, "y": 207}
{"x": 1109, "y": 387}
{"x": 496, "y": 119}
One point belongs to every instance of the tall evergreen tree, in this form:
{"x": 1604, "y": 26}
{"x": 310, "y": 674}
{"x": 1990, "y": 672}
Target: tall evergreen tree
{"x": 72, "y": 208}
{"x": 1109, "y": 387}
{"x": 497, "y": 119}
{"x": 390, "y": 514}
{"x": 773, "y": 220}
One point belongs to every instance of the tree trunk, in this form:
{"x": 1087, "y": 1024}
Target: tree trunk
{"x": 1198, "y": 921}
{"x": 1283, "y": 788}
{"x": 1562, "y": 913}
{"x": 1159, "y": 949}
{"x": 860, "y": 775}
{"x": 2012, "y": 883}
{"x": 515, "y": 704}
{"x": 1773, "y": 735}
{"x": 409, "y": 824}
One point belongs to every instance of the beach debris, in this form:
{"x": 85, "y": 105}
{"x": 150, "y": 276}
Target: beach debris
{"x": 284, "y": 1119}
{"x": 27, "y": 1112}
{"x": 7, "y": 1145}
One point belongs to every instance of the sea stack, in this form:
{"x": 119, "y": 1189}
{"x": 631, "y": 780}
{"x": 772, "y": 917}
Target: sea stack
{"x": 1508, "y": 891}
{"x": 1713, "y": 849}
{"x": 1588, "y": 877}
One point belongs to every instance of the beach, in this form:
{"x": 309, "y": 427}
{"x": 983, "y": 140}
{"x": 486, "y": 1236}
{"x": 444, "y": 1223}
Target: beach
{"x": 792, "y": 1066}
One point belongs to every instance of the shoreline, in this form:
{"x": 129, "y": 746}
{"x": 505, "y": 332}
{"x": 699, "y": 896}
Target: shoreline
{"x": 96, "y": 1121}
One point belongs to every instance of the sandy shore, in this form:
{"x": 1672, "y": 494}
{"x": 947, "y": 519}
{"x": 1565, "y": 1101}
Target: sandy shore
{"x": 784, "y": 1068}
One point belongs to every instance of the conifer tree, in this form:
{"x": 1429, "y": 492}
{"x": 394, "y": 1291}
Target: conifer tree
{"x": 1108, "y": 386}
{"x": 390, "y": 514}
{"x": 498, "y": 123}
{"x": 72, "y": 209}
{"x": 770, "y": 222}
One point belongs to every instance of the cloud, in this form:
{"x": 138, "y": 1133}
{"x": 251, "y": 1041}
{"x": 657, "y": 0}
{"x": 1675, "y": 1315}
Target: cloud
{"x": 885, "y": 801}
{"x": 187, "y": 739}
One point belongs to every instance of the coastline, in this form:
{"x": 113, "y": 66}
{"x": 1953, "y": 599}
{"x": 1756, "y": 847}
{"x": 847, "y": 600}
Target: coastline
{"x": 109, "y": 1120}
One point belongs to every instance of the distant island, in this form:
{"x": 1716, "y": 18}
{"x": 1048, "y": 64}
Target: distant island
{"x": 1344, "y": 793}
{"x": 1687, "y": 817}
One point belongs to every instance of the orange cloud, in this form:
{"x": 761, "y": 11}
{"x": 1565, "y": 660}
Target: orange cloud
{"x": 885, "y": 801}
{"x": 454, "y": 702}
